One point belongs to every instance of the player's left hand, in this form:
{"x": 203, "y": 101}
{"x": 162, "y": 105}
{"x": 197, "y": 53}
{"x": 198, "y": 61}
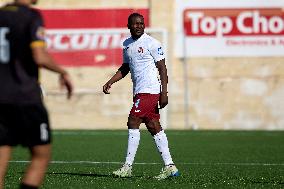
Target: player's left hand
{"x": 163, "y": 102}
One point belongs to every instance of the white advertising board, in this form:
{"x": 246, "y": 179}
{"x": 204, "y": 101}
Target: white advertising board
{"x": 227, "y": 28}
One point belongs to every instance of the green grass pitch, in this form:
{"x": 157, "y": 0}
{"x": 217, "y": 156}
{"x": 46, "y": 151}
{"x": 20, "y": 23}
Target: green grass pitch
{"x": 206, "y": 159}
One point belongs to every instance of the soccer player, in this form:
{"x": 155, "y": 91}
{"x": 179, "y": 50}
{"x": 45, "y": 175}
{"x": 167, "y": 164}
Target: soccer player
{"x": 23, "y": 116}
{"x": 144, "y": 58}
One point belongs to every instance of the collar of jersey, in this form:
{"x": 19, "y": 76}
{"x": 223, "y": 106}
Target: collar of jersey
{"x": 142, "y": 36}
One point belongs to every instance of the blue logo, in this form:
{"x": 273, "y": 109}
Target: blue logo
{"x": 137, "y": 103}
{"x": 160, "y": 51}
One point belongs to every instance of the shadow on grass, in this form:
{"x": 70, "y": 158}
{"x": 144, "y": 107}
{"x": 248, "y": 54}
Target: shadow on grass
{"x": 80, "y": 174}
{"x": 96, "y": 175}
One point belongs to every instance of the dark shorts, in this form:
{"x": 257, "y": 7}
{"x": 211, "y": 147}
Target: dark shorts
{"x": 27, "y": 125}
{"x": 145, "y": 106}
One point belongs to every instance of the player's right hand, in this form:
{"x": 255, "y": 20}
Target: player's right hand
{"x": 163, "y": 101}
{"x": 106, "y": 88}
{"x": 66, "y": 82}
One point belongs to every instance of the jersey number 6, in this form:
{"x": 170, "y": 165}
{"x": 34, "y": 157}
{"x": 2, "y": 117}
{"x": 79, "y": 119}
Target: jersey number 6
{"x": 4, "y": 46}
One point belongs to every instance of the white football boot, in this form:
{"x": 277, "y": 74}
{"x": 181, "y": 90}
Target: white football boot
{"x": 124, "y": 171}
{"x": 168, "y": 171}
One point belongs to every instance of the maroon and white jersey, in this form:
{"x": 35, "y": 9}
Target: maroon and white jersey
{"x": 142, "y": 55}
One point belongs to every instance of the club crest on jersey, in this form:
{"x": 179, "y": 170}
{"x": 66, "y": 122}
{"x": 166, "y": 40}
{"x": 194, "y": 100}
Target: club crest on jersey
{"x": 160, "y": 51}
{"x": 140, "y": 50}
{"x": 40, "y": 33}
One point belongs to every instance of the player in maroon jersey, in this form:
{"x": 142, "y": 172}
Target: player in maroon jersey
{"x": 144, "y": 58}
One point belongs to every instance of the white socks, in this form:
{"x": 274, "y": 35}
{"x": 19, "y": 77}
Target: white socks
{"x": 133, "y": 143}
{"x": 160, "y": 140}
{"x": 162, "y": 145}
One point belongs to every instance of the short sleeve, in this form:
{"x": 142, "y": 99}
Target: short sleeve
{"x": 37, "y": 31}
{"x": 125, "y": 56}
{"x": 157, "y": 51}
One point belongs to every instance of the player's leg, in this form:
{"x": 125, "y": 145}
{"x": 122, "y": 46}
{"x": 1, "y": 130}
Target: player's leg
{"x": 37, "y": 137}
{"x": 133, "y": 143}
{"x": 5, "y": 154}
{"x": 6, "y": 115}
{"x": 154, "y": 127}
{"x": 160, "y": 138}
{"x": 34, "y": 174}
{"x": 133, "y": 123}
{"x": 133, "y": 138}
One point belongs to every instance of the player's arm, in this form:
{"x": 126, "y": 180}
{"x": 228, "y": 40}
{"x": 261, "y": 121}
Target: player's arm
{"x": 161, "y": 65}
{"x": 44, "y": 60}
{"x": 40, "y": 54}
{"x": 121, "y": 73}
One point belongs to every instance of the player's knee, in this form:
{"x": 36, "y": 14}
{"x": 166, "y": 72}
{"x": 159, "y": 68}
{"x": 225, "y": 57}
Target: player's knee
{"x": 153, "y": 127}
{"x": 154, "y": 131}
{"x": 133, "y": 122}
{"x": 151, "y": 131}
{"x": 132, "y": 125}
{"x": 41, "y": 152}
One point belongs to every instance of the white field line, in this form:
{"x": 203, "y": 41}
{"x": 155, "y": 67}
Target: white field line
{"x": 89, "y": 133}
{"x": 175, "y": 133}
{"x": 144, "y": 163}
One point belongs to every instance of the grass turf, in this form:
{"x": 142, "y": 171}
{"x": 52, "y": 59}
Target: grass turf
{"x": 206, "y": 159}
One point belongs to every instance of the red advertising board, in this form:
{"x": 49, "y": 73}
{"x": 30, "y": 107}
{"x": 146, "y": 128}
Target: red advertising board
{"x": 86, "y": 37}
{"x": 234, "y": 22}
{"x": 229, "y": 28}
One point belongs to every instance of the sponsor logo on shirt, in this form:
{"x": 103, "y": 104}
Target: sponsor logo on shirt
{"x": 160, "y": 51}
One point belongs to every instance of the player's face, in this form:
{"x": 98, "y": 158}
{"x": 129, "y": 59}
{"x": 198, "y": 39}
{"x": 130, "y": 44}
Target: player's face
{"x": 136, "y": 26}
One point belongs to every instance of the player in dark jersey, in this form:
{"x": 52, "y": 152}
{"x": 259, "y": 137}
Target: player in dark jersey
{"x": 23, "y": 117}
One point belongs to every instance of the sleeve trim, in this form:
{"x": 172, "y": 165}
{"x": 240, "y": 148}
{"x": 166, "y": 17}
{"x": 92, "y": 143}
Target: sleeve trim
{"x": 38, "y": 44}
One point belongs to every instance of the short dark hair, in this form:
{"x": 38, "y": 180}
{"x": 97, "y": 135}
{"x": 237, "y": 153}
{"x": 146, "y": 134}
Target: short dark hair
{"x": 135, "y": 14}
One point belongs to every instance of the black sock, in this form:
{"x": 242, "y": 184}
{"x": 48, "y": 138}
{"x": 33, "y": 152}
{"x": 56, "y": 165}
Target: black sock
{"x": 26, "y": 186}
